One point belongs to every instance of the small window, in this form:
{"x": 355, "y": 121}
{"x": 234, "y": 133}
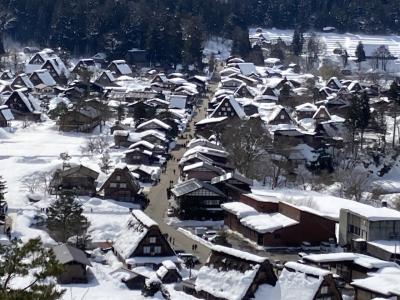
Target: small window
{"x": 228, "y": 109}
{"x": 157, "y": 249}
{"x": 223, "y": 108}
{"x": 322, "y": 115}
{"x": 118, "y": 177}
{"x": 153, "y": 240}
{"x": 282, "y": 117}
{"x": 146, "y": 250}
{"x": 113, "y": 185}
{"x": 122, "y": 185}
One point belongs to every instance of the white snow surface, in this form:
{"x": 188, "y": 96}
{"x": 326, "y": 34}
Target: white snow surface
{"x": 297, "y": 285}
{"x": 229, "y": 284}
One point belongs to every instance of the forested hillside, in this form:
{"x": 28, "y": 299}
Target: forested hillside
{"x": 169, "y": 27}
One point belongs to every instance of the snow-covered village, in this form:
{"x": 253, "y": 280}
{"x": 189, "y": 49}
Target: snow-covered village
{"x": 258, "y": 165}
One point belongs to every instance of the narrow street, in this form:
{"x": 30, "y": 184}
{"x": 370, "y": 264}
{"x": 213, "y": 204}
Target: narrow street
{"x": 158, "y": 193}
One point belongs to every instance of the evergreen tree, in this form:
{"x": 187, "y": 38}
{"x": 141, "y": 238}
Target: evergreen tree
{"x": 241, "y": 43}
{"x": 17, "y": 263}
{"x": 358, "y": 115}
{"x": 360, "y": 54}
{"x": 3, "y": 188}
{"x": 192, "y": 47}
{"x": 297, "y": 42}
{"x": 65, "y": 219}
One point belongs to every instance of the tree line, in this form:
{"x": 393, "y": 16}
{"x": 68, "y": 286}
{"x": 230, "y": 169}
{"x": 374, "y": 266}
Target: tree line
{"x": 173, "y": 30}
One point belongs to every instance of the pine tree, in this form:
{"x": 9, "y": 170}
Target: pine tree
{"x": 18, "y": 260}
{"x": 65, "y": 219}
{"x": 360, "y": 54}
{"x": 297, "y": 42}
{"x": 241, "y": 43}
{"x": 3, "y": 188}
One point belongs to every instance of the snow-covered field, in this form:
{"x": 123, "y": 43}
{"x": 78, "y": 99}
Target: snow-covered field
{"x": 348, "y": 41}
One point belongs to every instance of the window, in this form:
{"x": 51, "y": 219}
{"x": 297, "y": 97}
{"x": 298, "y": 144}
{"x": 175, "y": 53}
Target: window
{"x": 146, "y": 250}
{"x": 282, "y": 117}
{"x": 228, "y": 109}
{"x": 113, "y": 185}
{"x": 152, "y": 240}
{"x": 211, "y": 202}
{"x": 223, "y": 108}
{"x": 118, "y": 177}
{"x": 322, "y": 115}
{"x": 122, "y": 185}
{"x": 157, "y": 249}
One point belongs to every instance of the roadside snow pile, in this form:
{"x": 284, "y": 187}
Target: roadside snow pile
{"x": 4, "y": 134}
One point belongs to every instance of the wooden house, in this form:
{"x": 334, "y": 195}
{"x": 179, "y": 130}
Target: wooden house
{"x": 231, "y": 274}
{"x": 136, "y": 156}
{"x": 168, "y": 272}
{"x": 6, "y": 116}
{"x": 354, "y": 87}
{"x": 196, "y": 199}
{"x": 272, "y": 223}
{"x": 245, "y": 92}
{"x": 349, "y": 266}
{"x": 200, "y": 82}
{"x": 383, "y": 285}
{"x": 268, "y": 95}
{"x": 141, "y": 242}
{"x": 6, "y": 75}
{"x": 231, "y": 83}
{"x": 161, "y": 80}
{"x": 217, "y": 155}
{"x": 83, "y": 120}
{"x": 120, "y": 185}
{"x": 22, "y": 81}
{"x": 57, "y": 70}
{"x": 75, "y": 264}
{"x": 155, "y": 137}
{"x": 247, "y": 80}
{"x": 275, "y": 115}
{"x": 153, "y": 124}
{"x": 321, "y": 115}
{"x": 42, "y": 77}
{"x": 144, "y": 145}
{"x": 228, "y": 107}
{"x": 84, "y": 64}
{"x": 334, "y": 84}
{"x": 133, "y": 279}
{"x": 23, "y": 106}
{"x": 305, "y": 111}
{"x": 79, "y": 180}
{"x": 144, "y": 174}
{"x": 202, "y": 171}
{"x": 307, "y": 283}
{"x": 119, "y": 68}
{"x": 105, "y": 79}
{"x": 121, "y": 138}
{"x": 232, "y": 184}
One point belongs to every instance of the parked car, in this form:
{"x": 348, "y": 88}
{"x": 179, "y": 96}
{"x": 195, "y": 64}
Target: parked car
{"x": 219, "y": 240}
{"x": 209, "y": 234}
{"x": 170, "y": 212}
{"x": 189, "y": 257}
{"x": 199, "y": 231}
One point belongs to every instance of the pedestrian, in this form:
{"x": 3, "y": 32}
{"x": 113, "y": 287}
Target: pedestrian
{"x": 173, "y": 241}
{"x": 192, "y": 247}
{"x": 195, "y": 247}
{"x": 174, "y": 171}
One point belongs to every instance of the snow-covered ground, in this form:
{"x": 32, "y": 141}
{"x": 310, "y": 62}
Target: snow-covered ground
{"x": 348, "y": 41}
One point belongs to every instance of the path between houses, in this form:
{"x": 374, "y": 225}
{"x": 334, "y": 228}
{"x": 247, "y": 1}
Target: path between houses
{"x": 158, "y": 194}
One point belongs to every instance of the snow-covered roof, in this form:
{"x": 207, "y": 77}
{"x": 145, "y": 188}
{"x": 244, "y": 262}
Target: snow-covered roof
{"x": 6, "y": 113}
{"x": 264, "y": 223}
{"x": 206, "y": 150}
{"x": 122, "y": 67}
{"x": 142, "y": 143}
{"x": 211, "y": 120}
{"x": 375, "y": 213}
{"x": 306, "y": 269}
{"x": 156, "y": 121}
{"x": 177, "y": 101}
{"x": 235, "y": 105}
{"x": 203, "y": 164}
{"x": 133, "y": 232}
{"x": 45, "y": 77}
{"x": 306, "y": 107}
{"x": 391, "y": 246}
{"x": 225, "y": 284}
{"x": 247, "y": 68}
{"x": 297, "y": 285}
{"x": 239, "y": 209}
{"x": 385, "y": 282}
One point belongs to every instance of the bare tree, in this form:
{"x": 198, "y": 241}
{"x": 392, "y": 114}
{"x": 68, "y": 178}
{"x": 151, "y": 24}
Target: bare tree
{"x": 247, "y": 145}
{"x": 38, "y": 181}
{"x": 95, "y": 145}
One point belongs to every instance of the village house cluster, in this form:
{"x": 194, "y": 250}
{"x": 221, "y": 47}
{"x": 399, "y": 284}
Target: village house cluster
{"x": 340, "y": 248}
